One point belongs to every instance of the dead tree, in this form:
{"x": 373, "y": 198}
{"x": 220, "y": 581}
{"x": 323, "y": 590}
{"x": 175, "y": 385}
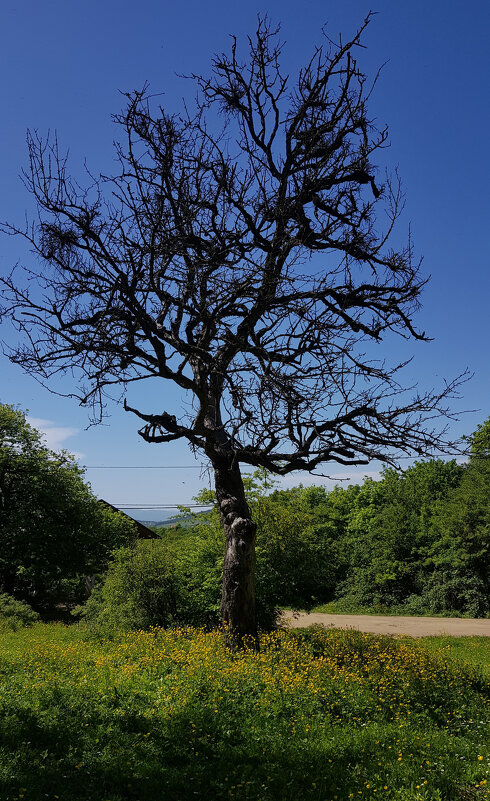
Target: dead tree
{"x": 236, "y": 253}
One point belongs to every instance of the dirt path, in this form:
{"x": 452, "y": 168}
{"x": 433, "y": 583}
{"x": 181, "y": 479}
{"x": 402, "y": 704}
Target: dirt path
{"x": 413, "y": 626}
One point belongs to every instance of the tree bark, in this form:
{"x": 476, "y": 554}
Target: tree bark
{"x": 238, "y": 595}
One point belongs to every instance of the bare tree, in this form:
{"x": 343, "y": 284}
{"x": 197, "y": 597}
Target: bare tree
{"x": 238, "y": 255}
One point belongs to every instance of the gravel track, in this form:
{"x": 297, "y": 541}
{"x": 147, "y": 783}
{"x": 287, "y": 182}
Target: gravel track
{"x": 411, "y": 626}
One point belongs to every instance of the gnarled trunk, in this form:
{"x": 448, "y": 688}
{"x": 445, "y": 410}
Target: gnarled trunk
{"x": 238, "y": 595}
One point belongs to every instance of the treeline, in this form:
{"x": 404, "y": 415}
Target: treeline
{"x": 416, "y": 542}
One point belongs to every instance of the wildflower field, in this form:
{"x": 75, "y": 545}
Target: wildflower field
{"x": 174, "y": 715}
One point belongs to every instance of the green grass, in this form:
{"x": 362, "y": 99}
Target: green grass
{"x": 174, "y": 715}
{"x": 344, "y": 607}
{"x": 473, "y": 651}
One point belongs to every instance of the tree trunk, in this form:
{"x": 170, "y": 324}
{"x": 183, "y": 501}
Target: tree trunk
{"x": 238, "y": 596}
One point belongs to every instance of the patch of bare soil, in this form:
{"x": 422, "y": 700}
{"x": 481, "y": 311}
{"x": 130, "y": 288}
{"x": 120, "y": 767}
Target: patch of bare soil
{"x": 411, "y": 626}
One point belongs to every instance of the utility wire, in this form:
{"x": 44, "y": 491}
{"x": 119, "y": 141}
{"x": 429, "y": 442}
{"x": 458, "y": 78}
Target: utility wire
{"x": 143, "y": 508}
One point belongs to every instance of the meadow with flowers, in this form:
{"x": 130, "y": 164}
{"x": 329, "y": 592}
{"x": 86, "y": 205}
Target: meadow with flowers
{"x": 173, "y": 714}
{"x": 143, "y": 701}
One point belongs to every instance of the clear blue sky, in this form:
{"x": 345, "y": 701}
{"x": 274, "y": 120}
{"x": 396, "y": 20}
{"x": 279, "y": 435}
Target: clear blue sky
{"x": 63, "y": 65}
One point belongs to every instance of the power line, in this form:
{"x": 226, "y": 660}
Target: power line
{"x": 142, "y": 507}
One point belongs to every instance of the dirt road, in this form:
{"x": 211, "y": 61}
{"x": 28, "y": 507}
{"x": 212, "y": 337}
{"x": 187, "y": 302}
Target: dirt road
{"x": 413, "y": 626}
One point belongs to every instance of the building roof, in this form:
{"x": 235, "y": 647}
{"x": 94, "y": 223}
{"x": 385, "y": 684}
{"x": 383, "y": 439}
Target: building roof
{"x": 143, "y": 532}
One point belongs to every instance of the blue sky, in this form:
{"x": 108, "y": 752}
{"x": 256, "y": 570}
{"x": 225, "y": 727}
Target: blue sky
{"x": 63, "y": 65}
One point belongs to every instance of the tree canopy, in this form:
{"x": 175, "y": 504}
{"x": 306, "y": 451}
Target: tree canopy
{"x": 242, "y": 251}
{"x": 52, "y": 528}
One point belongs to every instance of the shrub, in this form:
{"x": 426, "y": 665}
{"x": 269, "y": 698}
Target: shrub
{"x": 16, "y": 614}
{"x": 136, "y": 592}
{"x": 167, "y": 582}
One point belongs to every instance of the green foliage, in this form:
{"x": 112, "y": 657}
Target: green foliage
{"x": 292, "y": 561}
{"x": 416, "y": 542}
{"x": 15, "y": 614}
{"x": 390, "y": 535}
{"x": 480, "y": 441}
{"x": 302, "y": 549}
{"x": 138, "y": 591}
{"x": 460, "y": 553}
{"x": 196, "y": 553}
{"x": 53, "y": 530}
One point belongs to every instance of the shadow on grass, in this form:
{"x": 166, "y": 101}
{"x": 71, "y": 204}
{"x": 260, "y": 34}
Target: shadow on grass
{"x": 113, "y": 754}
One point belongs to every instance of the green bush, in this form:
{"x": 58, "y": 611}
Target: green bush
{"x": 296, "y": 558}
{"x": 16, "y": 614}
{"x": 196, "y": 554}
{"x": 158, "y": 583}
{"x": 176, "y": 580}
{"x": 136, "y": 592}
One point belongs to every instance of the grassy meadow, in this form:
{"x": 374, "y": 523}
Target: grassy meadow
{"x": 172, "y": 714}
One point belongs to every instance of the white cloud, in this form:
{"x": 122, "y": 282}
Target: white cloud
{"x": 54, "y": 435}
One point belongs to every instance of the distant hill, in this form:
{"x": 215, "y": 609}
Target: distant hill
{"x": 182, "y": 520}
{"x": 169, "y": 521}
{"x": 157, "y": 523}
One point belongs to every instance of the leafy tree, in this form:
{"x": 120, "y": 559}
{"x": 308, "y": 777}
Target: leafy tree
{"x": 390, "y": 535}
{"x": 52, "y": 528}
{"x": 197, "y": 269}
{"x": 460, "y": 529}
{"x": 331, "y": 513}
{"x": 311, "y": 555}
{"x": 479, "y": 442}
{"x": 360, "y": 545}
{"x": 294, "y": 564}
